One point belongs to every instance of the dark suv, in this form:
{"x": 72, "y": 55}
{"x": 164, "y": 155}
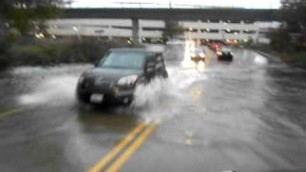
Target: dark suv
{"x": 225, "y": 54}
{"x": 116, "y": 75}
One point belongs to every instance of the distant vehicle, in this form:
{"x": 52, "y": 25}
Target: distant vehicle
{"x": 225, "y": 54}
{"x": 215, "y": 46}
{"x": 115, "y": 77}
{"x": 198, "y": 55}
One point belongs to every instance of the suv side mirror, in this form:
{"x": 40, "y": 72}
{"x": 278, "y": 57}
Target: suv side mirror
{"x": 150, "y": 67}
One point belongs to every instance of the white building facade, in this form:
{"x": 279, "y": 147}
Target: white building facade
{"x": 153, "y": 29}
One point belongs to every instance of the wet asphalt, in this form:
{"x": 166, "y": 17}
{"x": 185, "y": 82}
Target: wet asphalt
{"x": 248, "y": 115}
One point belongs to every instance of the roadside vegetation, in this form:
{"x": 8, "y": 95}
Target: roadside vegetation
{"x": 22, "y": 21}
{"x": 53, "y": 52}
{"x": 289, "y": 40}
{"x": 172, "y": 30}
{"x": 19, "y": 19}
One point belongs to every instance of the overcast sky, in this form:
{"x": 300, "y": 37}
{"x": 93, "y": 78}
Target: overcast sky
{"x": 177, "y": 3}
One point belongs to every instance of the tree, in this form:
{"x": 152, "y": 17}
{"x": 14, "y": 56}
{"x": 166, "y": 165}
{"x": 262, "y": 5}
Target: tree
{"x": 290, "y": 35}
{"x": 27, "y": 15}
{"x": 293, "y": 12}
{"x": 172, "y": 29}
{"x": 280, "y": 39}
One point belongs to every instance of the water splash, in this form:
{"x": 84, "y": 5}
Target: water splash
{"x": 260, "y": 60}
{"x": 54, "y": 90}
{"x": 162, "y": 99}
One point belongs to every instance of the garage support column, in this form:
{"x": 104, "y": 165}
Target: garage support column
{"x": 199, "y": 34}
{"x": 110, "y": 36}
{"x": 135, "y": 30}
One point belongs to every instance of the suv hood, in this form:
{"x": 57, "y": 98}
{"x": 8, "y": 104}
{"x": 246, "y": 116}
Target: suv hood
{"x": 110, "y": 74}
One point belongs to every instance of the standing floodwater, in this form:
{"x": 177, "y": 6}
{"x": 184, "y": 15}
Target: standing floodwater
{"x": 247, "y": 115}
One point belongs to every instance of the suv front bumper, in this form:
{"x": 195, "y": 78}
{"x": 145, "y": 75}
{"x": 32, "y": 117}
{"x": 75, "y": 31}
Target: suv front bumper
{"x": 112, "y": 94}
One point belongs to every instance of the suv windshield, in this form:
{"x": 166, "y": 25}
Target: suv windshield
{"x": 123, "y": 59}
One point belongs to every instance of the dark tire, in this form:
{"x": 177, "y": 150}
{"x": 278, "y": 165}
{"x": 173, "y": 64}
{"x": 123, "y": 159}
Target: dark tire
{"x": 219, "y": 58}
{"x": 84, "y": 98}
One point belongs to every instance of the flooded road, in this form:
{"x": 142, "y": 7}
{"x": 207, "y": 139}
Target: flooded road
{"x": 247, "y": 115}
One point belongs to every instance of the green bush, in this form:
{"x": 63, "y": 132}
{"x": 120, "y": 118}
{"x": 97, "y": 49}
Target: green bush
{"x": 56, "y": 52}
{"x": 4, "y": 63}
{"x": 298, "y": 59}
{"x": 4, "y": 60}
{"x": 87, "y": 50}
{"x": 32, "y": 55}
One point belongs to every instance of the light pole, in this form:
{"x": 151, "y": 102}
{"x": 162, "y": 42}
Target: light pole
{"x": 76, "y": 29}
{"x": 222, "y": 33}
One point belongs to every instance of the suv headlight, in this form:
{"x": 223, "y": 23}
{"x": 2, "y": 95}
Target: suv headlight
{"x": 127, "y": 81}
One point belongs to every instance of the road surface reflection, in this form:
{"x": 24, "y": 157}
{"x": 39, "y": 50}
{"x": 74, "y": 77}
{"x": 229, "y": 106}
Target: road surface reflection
{"x": 246, "y": 116}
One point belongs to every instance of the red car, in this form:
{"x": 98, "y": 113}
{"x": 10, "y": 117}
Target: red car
{"x": 215, "y": 46}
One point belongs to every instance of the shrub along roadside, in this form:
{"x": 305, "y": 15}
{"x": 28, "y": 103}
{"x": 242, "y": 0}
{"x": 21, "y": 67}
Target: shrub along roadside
{"x": 4, "y": 61}
{"x": 297, "y": 59}
{"x": 294, "y": 58}
{"x": 52, "y": 52}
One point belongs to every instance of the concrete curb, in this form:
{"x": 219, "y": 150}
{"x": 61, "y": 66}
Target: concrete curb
{"x": 270, "y": 57}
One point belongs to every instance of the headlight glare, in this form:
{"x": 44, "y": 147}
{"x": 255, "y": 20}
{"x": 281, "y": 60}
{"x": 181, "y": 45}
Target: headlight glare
{"x": 127, "y": 81}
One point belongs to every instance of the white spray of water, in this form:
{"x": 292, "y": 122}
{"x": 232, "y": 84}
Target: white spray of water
{"x": 162, "y": 99}
{"x": 54, "y": 90}
{"x": 260, "y": 60}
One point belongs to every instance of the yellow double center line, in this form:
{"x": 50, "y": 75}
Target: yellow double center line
{"x": 139, "y": 135}
{"x": 10, "y": 112}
